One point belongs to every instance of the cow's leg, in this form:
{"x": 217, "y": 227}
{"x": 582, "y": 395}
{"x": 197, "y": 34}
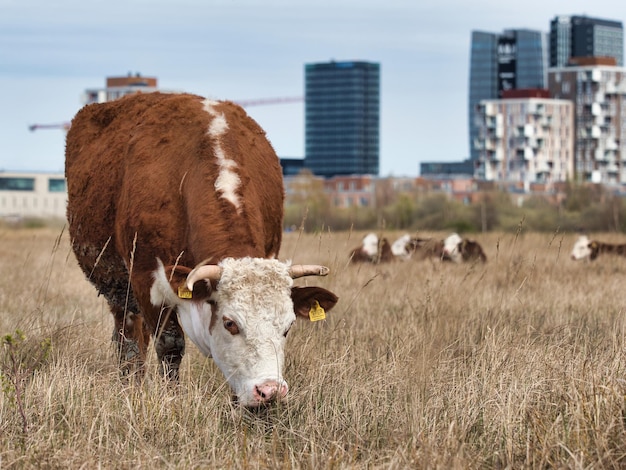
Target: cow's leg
{"x": 131, "y": 338}
{"x": 169, "y": 342}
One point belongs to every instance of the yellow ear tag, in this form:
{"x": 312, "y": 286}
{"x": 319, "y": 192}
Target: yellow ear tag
{"x": 317, "y": 312}
{"x": 184, "y": 293}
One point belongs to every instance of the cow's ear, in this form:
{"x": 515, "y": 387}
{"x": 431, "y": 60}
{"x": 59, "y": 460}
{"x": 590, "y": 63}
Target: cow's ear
{"x": 177, "y": 277}
{"x": 304, "y": 298}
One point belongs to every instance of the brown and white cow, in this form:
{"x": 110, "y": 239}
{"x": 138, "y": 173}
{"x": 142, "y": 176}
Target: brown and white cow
{"x": 175, "y": 209}
{"x": 407, "y": 247}
{"x": 372, "y": 250}
{"x": 458, "y": 249}
{"x": 587, "y": 249}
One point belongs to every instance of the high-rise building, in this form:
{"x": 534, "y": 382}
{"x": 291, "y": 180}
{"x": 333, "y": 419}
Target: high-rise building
{"x": 581, "y": 36}
{"x": 514, "y": 59}
{"x": 342, "y": 118}
{"x": 598, "y": 93}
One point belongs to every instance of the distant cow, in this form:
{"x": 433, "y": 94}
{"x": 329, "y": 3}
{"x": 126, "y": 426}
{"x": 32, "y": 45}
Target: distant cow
{"x": 407, "y": 247}
{"x": 175, "y": 209}
{"x": 457, "y": 249}
{"x": 372, "y": 250}
{"x": 584, "y": 248}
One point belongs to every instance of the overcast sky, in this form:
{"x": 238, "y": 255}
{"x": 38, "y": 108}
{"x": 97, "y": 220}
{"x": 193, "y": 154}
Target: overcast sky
{"x": 51, "y": 51}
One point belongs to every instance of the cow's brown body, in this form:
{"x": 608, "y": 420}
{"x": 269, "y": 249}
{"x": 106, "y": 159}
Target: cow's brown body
{"x": 423, "y": 248}
{"x": 141, "y": 175}
{"x": 597, "y": 248}
{"x": 472, "y": 251}
{"x": 383, "y": 253}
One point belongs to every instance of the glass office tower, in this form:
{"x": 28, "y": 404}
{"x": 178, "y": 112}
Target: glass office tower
{"x": 581, "y": 36}
{"x": 342, "y": 118}
{"x": 514, "y": 59}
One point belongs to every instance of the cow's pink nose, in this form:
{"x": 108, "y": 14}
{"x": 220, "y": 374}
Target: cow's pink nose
{"x": 270, "y": 390}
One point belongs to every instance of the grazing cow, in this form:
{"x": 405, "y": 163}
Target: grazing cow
{"x": 406, "y": 247}
{"x": 372, "y": 250}
{"x": 459, "y": 249}
{"x": 584, "y": 248}
{"x": 175, "y": 210}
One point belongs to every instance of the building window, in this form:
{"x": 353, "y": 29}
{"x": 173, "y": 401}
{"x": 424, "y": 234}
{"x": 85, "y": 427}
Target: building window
{"x": 56, "y": 185}
{"x": 17, "y": 184}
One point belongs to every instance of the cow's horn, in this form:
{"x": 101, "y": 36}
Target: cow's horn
{"x": 211, "y": 272}
{"x": 299, "y": 270}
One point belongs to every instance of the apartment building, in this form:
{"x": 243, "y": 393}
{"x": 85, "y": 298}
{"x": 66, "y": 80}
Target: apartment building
{"x": 525, "y": 139}
{"x": 598, "y": 93}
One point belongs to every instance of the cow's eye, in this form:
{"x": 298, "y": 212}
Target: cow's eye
{"x": 231, "y": 326}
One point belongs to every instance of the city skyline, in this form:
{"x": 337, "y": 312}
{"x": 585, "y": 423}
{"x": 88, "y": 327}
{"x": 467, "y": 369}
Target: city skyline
{"x": 49, "y": 54}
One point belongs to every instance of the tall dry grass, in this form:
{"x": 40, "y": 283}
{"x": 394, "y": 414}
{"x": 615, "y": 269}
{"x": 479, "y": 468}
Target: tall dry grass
{"x": 518, "y": 363}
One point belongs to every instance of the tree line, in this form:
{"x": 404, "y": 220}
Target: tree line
{"x": 579, "y": 207}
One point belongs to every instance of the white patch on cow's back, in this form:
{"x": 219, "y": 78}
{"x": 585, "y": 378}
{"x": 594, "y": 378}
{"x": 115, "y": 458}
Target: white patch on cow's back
{"x": 228, "y": 181}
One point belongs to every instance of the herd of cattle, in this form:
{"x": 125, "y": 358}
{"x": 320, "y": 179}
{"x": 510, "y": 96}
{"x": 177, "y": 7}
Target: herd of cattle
{"x": 456, "y": 249}
{"x": 453, "y": 248}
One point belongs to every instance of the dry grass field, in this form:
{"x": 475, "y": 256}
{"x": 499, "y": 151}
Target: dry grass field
{"x": 519, "y": 363}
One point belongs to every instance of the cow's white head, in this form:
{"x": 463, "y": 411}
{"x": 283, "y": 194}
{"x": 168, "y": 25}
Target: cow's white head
{"x": 451, "y": 247}
{"x": 239, "y": 313}
{"x": 582, "y": 248}
{"x": 370, "y": 244}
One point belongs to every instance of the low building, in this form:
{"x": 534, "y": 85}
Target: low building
{"x": 116, "y": 87}
{"x": 351, "y": 191}
{"x": 444, "y": 169}
{"x": 292, "y": 166}
{"x": 28, "y": 194}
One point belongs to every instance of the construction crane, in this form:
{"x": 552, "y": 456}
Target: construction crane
{"x": 266, "y": 101}
{"x": 243, "y": 103}
{"x": 63, "y": 125}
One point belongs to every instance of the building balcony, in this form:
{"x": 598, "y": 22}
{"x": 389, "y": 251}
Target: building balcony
{"x": 490, "y": 109}
{"x": 596, "y": 75}
{"x": 610, "y": 144}
{"x": 596, "y": 109}
{"x": 595, "y": 132}
{"x": 535, "y": 108}
{"x": 526, "y": 154}
{"x": 528, "y": 130}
